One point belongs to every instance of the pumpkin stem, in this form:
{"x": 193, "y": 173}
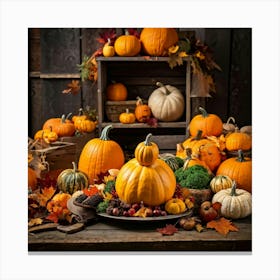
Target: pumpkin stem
{"x": 198, "y": 135}
{"x": 230, "y": 119}
{"x": 179, "y": 147}
{"x": 68, "y": 116}
{"x": 81, "y": 112}
{"x": 127, "y": 110}
{"x": 74, "y": 166}
{"x": 189, "y": 153}
{"x": 139, "y": 101}
{"x": 203, "y": 112}
{"x": 147, "y": 141}
{"x": 233, "y": 189}
{"x": 104, "y": 134}
{"x": 240, "y": 156}
{"x": 159, "y": 84}
{"x": 63, "y": 118}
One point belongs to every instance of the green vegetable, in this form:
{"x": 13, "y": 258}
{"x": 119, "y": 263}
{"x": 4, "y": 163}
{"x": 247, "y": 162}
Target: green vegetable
{"x": 102, "y": 206}
{"x": 180, "y": 161}
{"x": 194, "y": 177}
{"x": 110, "y": 186}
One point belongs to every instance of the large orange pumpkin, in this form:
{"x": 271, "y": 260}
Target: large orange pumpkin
{"x": 238, "y": 169}
{"x": 238, "y": 141}
{"x": 156, "y": 41}
{"x": 100, "y": 155}
{"x": 127, "y": 45}
{"x": 152, "y": 184}
{"x": 209, "y": 124}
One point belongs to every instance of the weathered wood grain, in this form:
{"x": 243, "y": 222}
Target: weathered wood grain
{"x": 105, "y": 236}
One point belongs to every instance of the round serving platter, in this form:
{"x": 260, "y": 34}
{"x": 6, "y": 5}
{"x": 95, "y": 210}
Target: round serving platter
{"x": 187, "y": 214}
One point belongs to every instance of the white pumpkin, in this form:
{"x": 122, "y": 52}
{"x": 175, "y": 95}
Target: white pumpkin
{"x": 167, "y": 103}
{"x": 236, "y": 203}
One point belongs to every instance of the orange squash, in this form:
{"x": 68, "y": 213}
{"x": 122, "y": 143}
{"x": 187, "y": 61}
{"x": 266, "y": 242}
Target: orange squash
{"x": 116, "y": 92}
{"x": 152, "y": 184}
{"x": 156, "y": 41}
{"x": 238, "y": 141}
{"x": 142, "y": 111}
{"x": 209, "y": 124}
{"x": 127, "y": 45}
{"x": 146, "y": 152}
{"x": 100, "y": 155}
{"x": 238, "y": 169}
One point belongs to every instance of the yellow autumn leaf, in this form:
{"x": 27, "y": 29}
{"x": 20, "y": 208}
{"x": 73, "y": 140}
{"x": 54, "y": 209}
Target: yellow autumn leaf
{"x": 173, "y": 49}
{"x": 35, "y": 221}
{"x": 183, "y": 54}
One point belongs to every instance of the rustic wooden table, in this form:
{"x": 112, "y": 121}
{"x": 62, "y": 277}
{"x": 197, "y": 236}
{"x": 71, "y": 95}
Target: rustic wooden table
{"x": 108, "y": 235}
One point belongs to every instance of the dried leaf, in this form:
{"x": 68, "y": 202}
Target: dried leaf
{"x": 91, "y": 190}
{"x": 72, "y": 88}
{"x": 35, "y": 221}
{"x": 222, "y": 225}
{"x": 199, "y": 228}
{"x": 168, "y": 230}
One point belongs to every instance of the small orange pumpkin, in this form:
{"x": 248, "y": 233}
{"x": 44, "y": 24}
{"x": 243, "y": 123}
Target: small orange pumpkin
{"x": 146, "y": 152}
{"x": 116, "y": 92}
{"x": 127, "y": 117}
{"x": 238, "y": 141}
{"x": 127, "y": 45}
{"x": 142, "y": 111}
{"x": 209, "y": 124}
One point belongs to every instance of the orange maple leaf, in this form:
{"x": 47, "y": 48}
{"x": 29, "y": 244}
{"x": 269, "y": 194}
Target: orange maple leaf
{"x": 222, "y": 225}
{"x": 168, "y": 230}
{"x": 72, "y": 88}
{"x": 43, "y": 196}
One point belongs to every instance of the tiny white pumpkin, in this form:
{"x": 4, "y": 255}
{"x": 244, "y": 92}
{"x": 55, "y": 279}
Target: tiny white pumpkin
{"x": 236, "y": 203}
{"x": 167, "y": 103}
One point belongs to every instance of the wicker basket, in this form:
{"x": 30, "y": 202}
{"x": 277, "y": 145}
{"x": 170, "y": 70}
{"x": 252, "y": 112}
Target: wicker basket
{"x": 113, "y": 109}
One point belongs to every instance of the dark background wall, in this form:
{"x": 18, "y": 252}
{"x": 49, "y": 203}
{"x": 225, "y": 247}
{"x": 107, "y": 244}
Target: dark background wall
{"x": 54, "y": 54}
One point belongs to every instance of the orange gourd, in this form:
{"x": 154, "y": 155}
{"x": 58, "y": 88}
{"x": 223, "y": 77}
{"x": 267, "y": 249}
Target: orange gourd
{"x": 146, "y": 152}
{"x": 209, "y": 124}
{"x": 238, "y": 169}
{"x": 142, "y": 111}
{"x": 152, "y": 184}
{"x": 100, "y": 155}
{"x": 127, "y": 117}
{"x": 116, "y": 92}
{"x": 156, "y": 41}
{"x": 127, "y": 45}
{"x": 238, "y": 141}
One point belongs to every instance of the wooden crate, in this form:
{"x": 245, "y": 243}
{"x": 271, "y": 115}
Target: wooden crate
{"x": 79, "y": 142}
{"x": 59, "y": 155}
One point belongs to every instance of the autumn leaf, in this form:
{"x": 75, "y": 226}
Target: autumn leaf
{"x": 35, "y": 221}
{"x": 222, "y": 225}
{"x": 72, "y": 88}
{"x": 167, "y": 230}
{"x": 45, "y": 195}
{"x": 92, "y": 190}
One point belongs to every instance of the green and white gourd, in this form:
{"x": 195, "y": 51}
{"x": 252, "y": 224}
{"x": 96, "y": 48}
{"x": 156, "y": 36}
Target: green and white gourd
{"x": 72, "y": 180}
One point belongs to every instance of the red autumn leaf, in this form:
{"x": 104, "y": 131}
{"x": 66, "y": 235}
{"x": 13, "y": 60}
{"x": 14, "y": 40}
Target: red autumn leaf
{"x": 167, "y": 230}
{"x": 92, "y": 190}
{"x": 153, "y": 122}
{"x": 53, "y": 217}
{"x": 134, "y": 32}
{"x": 104, "y": 36}
{"x": 217, "y": 206}
{"x": 222, "y": 225}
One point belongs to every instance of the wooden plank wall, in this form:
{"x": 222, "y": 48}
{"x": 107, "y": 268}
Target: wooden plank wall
{"x": 59, "y": 50}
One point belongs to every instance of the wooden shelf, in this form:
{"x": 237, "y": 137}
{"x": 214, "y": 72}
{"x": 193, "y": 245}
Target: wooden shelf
{"x": 135, "y": 58}
{"x": 144, "y": 125}
{"x": 54, "y": 75}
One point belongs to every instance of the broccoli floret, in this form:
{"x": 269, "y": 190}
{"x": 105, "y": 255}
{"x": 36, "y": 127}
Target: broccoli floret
{"x": 194, "y": 177}
{"x": 102, "y": 206}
